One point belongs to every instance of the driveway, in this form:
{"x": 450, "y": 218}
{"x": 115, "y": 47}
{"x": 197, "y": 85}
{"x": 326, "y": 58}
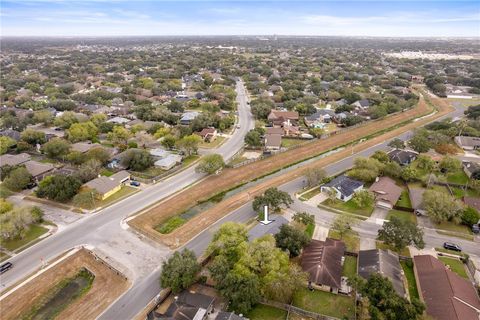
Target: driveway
{"x": 378, "y": 215}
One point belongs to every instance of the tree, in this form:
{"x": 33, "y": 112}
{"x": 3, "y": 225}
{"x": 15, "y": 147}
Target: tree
{"x": 241, "y": 290}
{"x": 137, "y": 160}
{"x": 5, "y": 206}
{"x": 189, "y": 144}
{"x": 179, "y": 272}
{"x": 89, "y": 170}
{"x": 261, "y": 108}
{"x": 6, "y": 143}
{"x": 56, "y": 148}
{"x": 397, "y": 143}
{"x": 210, "y": 164}
{"x": 253, "y": 138}
{"x": 16, "y": 222}
{"x": 43, "y": 116}
{"x": 409, "y": 174}
{"x": 425, "y": 163}
{"x": 440, "y": 207}
{"x": 98, "y": 153}
{"x": 363, "y": 198}
{"x": 401, "y": 233}
{"x": 18, "y": 179}
{"x": 229, "y": 242}
{"x": 273, "y": 198}
{"x": 85, "y": 199}
{"x": 82, "y": 131}
{"x": 381, "y": 156}
{"x": 304, "y": 218}
{"x": 119, "y": 135}
{"x": 419, "y": 142}
{"x": 366, "y": 169}
{"x": 473, "y": 112}
{"x": 291, "y": 239}
{"x": 392, "y": 169}
{"x": 470, "y": 216}
{"x": 168, "y": 141}
{"x": 33, "y": 137}
{"x": 343, "y": 224}
{"x": 58, "y": 187}
{"x": 450, "y": 164}
{"x": 315, "y": 176}
{"x": 66, "y": 120}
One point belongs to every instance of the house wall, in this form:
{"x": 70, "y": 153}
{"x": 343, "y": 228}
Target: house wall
{"x": 325, "y": 288}
{"x": 108, "y": 194}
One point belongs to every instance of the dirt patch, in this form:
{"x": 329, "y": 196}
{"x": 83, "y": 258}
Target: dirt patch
{"x": 107, "y": 286}
{"x": 230, "y": 178}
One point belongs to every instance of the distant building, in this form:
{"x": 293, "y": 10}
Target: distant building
{"x": 107, "y": 186}
{"x": 208, "y": 134}
{"x": 188, "y": 117}
{"x": 467, "y": 143}
{"x": 169, "y": 161}
{"x": 187, "y": 306}
{"x": 403, "y": 157}
{"x": 417, "y": 78}
{"x": 84, "y": 147}
{"x": 277, "y": 117}
{"x": 343, "y": 187}
{"x": 361, "y": 104}
{"x": 470, "y": 167}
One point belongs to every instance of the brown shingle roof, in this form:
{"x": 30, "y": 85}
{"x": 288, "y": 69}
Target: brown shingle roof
{"x": 387, "y": 190}
{"x": 323, "y": 261}
{"x": 14, "y": 159}
{"x": 447, "y": 295}
{"x": 273, "y": 140}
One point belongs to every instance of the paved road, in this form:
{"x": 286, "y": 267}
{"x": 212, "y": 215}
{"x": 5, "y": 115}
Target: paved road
{"x": 105, "y": 225}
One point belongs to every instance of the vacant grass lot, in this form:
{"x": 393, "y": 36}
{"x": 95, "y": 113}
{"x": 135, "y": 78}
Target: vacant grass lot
{"x": 455, "y": 265}
{"x": 334, "y": 305}
{"x": 32, "y": 234}
{"x": 349, "y": 206}
{"x": 263, "y": 312}
{"x": 402, "y": 215}
{"x": 410, "y": 275}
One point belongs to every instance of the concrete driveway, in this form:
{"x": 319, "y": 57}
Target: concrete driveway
{"x": 378, "y": 215}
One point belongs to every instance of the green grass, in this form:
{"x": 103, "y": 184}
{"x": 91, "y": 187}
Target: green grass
{"x": 3, "y": 256}
{"x": 310, "y": 229}
{"x": 288, "y": 142}
{"x": 410, "y": 276}
{"x": 170, "y": 225}
{"x": 453, "y": 227}
{"x": 125, "y": 191}
{"x": 350, "y": 266}
{"x": 213, "y": 144}
{"x": 452, "y": 252}
{"x": 404, "y": 252}
{"x": 455, "y": 265}
{"x": 237, "y": 160}
{"x": 310, "y": 194}
{"x": 404, "y": 200}
{"x": 105, "y": 172}
{"x": 402, "y": 215}
{"x": 263, "y": 312}
{"x": 333, "y": 305}
{"x": 189, "y": 160}
{"x": 349, "y": 206}
{"x": 352, "y": 242}
{"x": 5, "y": 192}
{"x": 32, "y": 234}
{"x": 457, "y": 177}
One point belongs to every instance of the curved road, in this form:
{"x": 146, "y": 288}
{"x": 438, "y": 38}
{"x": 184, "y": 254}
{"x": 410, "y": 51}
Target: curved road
{"x": 102, "y": 226}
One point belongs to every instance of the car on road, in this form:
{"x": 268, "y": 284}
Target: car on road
{"x": 135, "y": 183}
{"x": 5, "y": 267}
{"x": 476, "y": 228}
{"x": 451, "y": 246}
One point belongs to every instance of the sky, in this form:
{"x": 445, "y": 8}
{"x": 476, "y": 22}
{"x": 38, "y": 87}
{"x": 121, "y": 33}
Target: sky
{"x": 323, "y": 18}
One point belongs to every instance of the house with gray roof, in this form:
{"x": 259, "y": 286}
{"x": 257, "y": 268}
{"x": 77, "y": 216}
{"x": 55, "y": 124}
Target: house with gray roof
{"x": 402, "y": 157}
{"x": 343, "y": 187}
{"x": 106, "y": 186}
{"x": 188, "y": 117}
{"x": 14, "y": 159}
{"x": 384, "y": 262}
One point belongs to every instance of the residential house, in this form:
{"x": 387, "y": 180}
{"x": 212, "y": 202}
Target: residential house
{"x": 343, "y": 187}
{"x": 273, "y": 130}
{"x": 446, "y": 295}
{"x": 417, "y": 78}
{"x": 168, "y": 162}
{"x": 386, "y": 192}
{"x": 159, "y": 152}
{"x": 208, "y": 134}
{"x": 273, "y": 142}
{"x": 38, "y": 170}
{"x": 188, "y": 117}
{"x": 84, "y": 147}
{"x": 14, "y": 159}
{"x": 107, "y": 186}
{"x": 186, "y": 306}
{"x": 290, "y": 130}
{"x": 322, "y": 260}
{"x": 384, "y": 262}
{"x": 361, "y": 104}
{"x": 119, "y": 120}
{"x": 319, "y": 118}
{"x": 12, "y": 134}
{"x": 403, "y": 157}
{"x": 467, "y": 143}
{"x": 277, "y": 117}
{"x": 416, "y": 199}
{"x": 470, "y": 167}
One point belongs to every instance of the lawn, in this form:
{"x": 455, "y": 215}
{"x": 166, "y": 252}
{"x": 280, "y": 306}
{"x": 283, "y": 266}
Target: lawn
{"x": 404, "y": 200}
{"x": 310, "y": 229}
{"x": 170, "y": 225}
{"x": 455, "y": 265}
{"x": 453, "y": 227}
{"x": 263, "y": 312}
{"x": 350, "y": 267}
{"x": 402, "y": 215}
{"x": 214, "y": 144}
{"x": 404, "y": 252}
{"x": 349, "y": 206}
{"x": 410, "y": 275}
{"x": 237, "y": 160}
{"x": 310, "y": 194}
{"x": 351, "y": 240}
{"x": 189, "y": 160}
{"x": 457, "y": 177}
{"x": 288, "y": 142}
{"x": 125, "y": 191}
{"x": 32, "y": 234}
{"x": 326, "y": 303}
{"x": 105, "y": 172}
{"x": 4, "y": 192}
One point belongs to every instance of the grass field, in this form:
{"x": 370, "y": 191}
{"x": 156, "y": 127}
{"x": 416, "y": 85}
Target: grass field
{"x": 457, "y": 177}
{"x": 455, "y": 265}
{"x": 402, "y": 215}
{"x": 350, "y": 266}
{"x": 32, "y": 234}
{"x": 453, "y": 227}
{"x": 351, "y": 240}
{"x": 404, "y": 200}
{"x": 349, "y": 206}
{"x": 410, "y": 275}
{"x": 214, "y": 144}
{"x": 310, "y": 229}
{"x": 263, "y": 312}
{"x": 334, "y": 305}
{"x": 288, "y": 142}
{"x": 170, "y": 225}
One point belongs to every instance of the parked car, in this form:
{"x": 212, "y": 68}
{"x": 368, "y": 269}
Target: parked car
{"x": 5, "y": 267}
{"x": 452, "y": 246}
{"x": 135, "y": 183}
{"x": 476, "y": 228}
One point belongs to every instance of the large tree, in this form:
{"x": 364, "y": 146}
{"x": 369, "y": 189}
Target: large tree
{"x": 401, "y": 233}
{"x": 6, "y": 143}
{"x": 189, "y": 144}
{"x": 58, "y": 187}
{"x": 210, "y": 164}
{"x": 315, "y": 176}
{"x": 273, "y": 198}
{"x": 17, "y": 179}
{"x": 291, "y": 239}
{"x": 137, "y": 160}
{"x": 179, "y": 271}
{"x": 343, "y": 224}
{"x": 253, "y": 138}
{"x": 56, "y": 148}
{"x": 440, "y": 206}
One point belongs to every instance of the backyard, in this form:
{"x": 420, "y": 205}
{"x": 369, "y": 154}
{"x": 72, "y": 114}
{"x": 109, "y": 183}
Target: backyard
{"x": 404, "y": 200}
{"x": 410, "y": 276}
{"x": 214, "y": 144}
{"x": 263, "y": 312}
{"x": 455, "y": 265}
{"x": 326, "y": 303}
{"x": 289, "y": 142}
{"x": 350, "y": 267}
